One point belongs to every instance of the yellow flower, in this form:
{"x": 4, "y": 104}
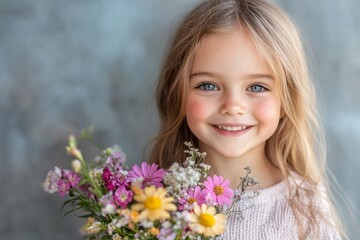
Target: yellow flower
{"x": 204, "y": 220}
{"x": 134, "y": 216}
{"x": 136, "y": 188}
{"x": 154, "y": 231}
{"x": 153, "y": 204}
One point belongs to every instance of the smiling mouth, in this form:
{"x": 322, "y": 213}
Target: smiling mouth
{"x": 232, "y": 128}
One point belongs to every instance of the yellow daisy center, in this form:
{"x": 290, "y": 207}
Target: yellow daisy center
{"x": 152, "y": 203}
{"x": 207, "y": 220}
{"x": 218, "y": 190}
{"x": 191, "y": 200}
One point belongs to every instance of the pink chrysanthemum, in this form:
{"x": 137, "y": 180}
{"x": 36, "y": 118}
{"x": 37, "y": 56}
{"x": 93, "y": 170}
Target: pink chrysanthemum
{"x": 219, "y": 190}
{"x": 195, "y": 195}
{"x": 150, "y": 174}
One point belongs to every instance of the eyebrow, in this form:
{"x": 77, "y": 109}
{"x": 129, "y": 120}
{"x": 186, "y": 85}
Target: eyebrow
{"x": 248, "y": 76}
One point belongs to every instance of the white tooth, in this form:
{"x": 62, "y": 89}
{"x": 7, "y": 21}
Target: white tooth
{"x": 231, "y": 128}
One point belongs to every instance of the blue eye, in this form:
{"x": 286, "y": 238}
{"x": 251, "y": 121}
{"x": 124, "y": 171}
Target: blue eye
{"x": 208, "y": 87}
{"x": 256, "y": 88}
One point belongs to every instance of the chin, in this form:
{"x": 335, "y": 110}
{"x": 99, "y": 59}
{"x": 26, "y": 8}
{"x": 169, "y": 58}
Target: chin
{"x": 231, "y": 153}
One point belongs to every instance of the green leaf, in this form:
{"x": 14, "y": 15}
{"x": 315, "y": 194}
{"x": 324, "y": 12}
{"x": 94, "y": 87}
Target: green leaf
{"x": 72, "y": 210}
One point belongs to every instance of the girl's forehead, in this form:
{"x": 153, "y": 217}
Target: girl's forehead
{"x": 232, "y": 52}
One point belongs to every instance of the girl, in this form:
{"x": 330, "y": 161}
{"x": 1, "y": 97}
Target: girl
{"x": 235, "y": 83}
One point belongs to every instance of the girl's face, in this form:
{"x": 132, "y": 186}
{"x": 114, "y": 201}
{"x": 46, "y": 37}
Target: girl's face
{"x": 233, "y": 104}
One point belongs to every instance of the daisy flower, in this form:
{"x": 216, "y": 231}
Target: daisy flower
{"x": 153, "y": 204}
{"x": 204, "y": 220}
{"x": 194, "y": 195}
{"x": 150, "y": 174}
{"x": 219, "y": 190}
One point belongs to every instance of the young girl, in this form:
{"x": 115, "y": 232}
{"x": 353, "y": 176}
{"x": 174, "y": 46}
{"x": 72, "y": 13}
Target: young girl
{"x": 235, "y": 83}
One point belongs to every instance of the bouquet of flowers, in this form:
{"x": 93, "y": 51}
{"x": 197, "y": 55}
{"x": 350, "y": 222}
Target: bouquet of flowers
{"x": 145, "y": 201}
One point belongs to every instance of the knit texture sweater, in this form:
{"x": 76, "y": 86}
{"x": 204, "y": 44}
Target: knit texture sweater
{"x": 269, "y": 216}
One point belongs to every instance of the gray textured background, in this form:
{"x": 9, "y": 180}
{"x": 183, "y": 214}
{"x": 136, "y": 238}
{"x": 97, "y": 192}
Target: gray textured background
{"x": 70, "y": 63}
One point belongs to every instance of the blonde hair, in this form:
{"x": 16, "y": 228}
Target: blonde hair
{"x": 292, "y": 146}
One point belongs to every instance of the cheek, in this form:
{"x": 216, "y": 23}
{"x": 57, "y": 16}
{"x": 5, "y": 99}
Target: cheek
{"x": 268, "y": 110}
{"x": 197, "y": 108}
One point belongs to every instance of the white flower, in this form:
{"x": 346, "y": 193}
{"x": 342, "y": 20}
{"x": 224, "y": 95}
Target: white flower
{"x": 122, "y": 222}
{"x": 108, "y": 209}
{"x": 166, "y": 224}
{"x": 111, "y": 227}
{"x": 76, "y": 165}
{"x": 147, "y": 224}
{"x": 117, "y": 223}
{"x": 174, "y": 167}
{"x": 50, "y": 184}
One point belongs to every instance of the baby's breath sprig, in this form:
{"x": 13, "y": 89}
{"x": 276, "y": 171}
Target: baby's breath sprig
{"x": 245, "y": 182}
{"x": 196, "y": 159}
{"x": 195, "y": 154}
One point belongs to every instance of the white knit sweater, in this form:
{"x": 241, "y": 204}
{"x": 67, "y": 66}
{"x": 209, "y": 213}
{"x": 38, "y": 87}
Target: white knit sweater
{"x": 269, "y": 216}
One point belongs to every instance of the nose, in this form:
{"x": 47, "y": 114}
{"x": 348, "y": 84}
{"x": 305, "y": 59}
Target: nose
{"x": 233, "y": 104}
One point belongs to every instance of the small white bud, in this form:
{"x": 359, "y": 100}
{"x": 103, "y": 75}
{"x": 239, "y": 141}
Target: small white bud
{"x": 76, "y": 165}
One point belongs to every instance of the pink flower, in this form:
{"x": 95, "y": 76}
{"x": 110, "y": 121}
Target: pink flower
{"x": 106, "y": 175}
{"x": 114, "y": 180}
{"x": 123, "y": 196}
{"x": 195, "y": 195}
{"x": 150, "y": 174}
{"x": 108, "y": 179}
{"x": 63, "y": 187}
{"x": 219, "y": 190}
{"x": 73, "y": 178}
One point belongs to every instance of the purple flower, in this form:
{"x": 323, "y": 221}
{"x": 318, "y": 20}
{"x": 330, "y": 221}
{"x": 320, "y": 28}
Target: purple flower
{"x": 108, "y": 179}
{"x": 219, "y": 190}
{"x": 73, "y": 178}
{"x": 123, "y": 196}
{"x": 116, "y": 160}
{"x": 63, "y": 187}
{"x": 107, "y": 204}
{"x": 166, "y": 234}
{"x": 122, "y": 179}
{"x": 113, "y": 181}
{"x": 150, "y": 174}
{"x": 106, "y": 175}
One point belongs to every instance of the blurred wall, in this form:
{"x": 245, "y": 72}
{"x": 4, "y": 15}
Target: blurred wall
{"x": 71, "y": 63}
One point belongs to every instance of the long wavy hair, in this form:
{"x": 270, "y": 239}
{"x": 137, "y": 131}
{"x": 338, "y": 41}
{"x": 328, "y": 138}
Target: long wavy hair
{"x": 298, "y": 144}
